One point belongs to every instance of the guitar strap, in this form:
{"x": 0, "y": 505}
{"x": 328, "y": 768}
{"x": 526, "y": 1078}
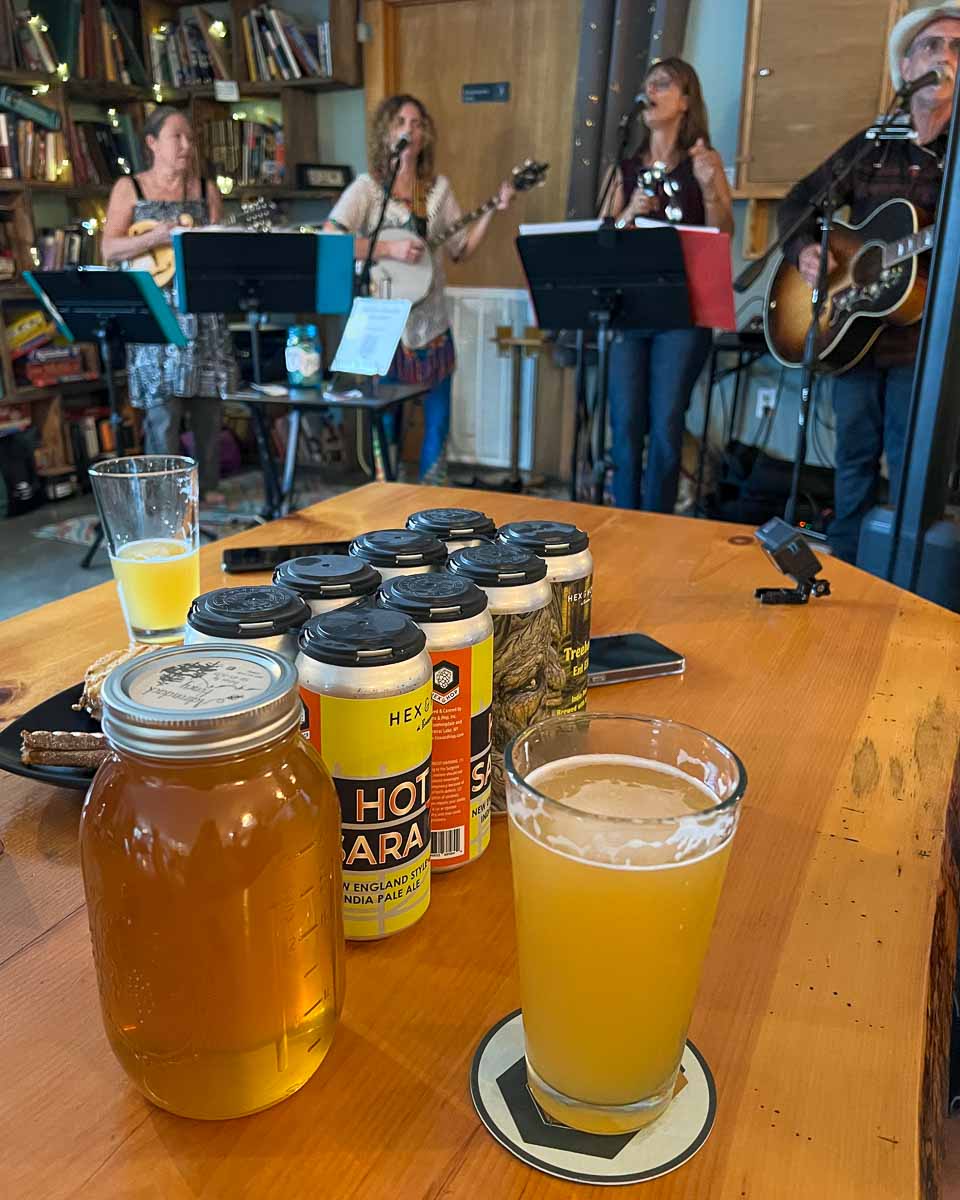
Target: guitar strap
{"x": 421, "y": 192}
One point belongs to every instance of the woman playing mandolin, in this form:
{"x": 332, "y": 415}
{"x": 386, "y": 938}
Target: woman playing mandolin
{"x": 673, "y": 176}
{"x": 160, "y": 378}
{"x": 423, "y": 203}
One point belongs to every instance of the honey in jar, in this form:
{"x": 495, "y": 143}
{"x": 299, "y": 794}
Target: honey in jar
{"x": 210, "y": 845}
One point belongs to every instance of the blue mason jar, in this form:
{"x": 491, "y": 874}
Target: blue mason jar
{"x": 303, "y": 356}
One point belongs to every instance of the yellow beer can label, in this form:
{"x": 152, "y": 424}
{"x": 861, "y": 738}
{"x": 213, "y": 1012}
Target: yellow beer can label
{"x": 378, "y": 752}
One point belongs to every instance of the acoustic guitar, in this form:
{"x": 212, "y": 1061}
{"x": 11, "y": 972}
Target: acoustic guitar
{"x": 876, "y": 282}
{"x": 395, "y": 280}
{"x": 256, "y": 214}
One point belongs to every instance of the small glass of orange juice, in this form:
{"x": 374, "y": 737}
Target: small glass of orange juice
{"x": 148, "y": 507}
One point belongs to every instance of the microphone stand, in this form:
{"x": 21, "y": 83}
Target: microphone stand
{"x": 823, "y": 206}
{"x": 363, "y": 282}
{"x": 603, "y": 315}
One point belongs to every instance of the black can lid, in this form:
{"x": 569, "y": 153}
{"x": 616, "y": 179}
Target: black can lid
{"x": 255, "y": 611}
{"x": 328, "y": 576}
{"x": 545, "y": 538}
{"x": 449, "y": 524}
{"x": 430, "y": 598}
{"x": 399, "y": 548}
{"x": 493, "y": 564}
{"x": 361, "y": 637}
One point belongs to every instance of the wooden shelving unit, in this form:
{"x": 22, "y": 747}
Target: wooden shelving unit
{"x": 298, "y": 115}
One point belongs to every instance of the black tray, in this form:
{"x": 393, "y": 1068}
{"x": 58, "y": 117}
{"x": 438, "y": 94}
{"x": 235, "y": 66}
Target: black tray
{"x": 52, "y": 714}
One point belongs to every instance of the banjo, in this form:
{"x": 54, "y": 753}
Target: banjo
{"x": 393, "y": 280}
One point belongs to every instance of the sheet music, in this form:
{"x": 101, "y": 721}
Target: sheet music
{"x": 371, "y": 336}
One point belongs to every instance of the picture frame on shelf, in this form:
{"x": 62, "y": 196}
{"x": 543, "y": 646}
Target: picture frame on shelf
{"x": 323, "y": 176}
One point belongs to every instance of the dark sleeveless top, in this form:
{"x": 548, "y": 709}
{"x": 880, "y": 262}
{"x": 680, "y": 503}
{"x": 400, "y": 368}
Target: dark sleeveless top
{"x": 687, "y": 197}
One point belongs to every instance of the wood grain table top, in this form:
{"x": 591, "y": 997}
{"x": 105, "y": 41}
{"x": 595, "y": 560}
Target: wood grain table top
{"x": 824, "y": 1009}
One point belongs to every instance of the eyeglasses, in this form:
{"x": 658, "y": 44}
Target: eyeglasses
{"x": 936, "y": 44}
{"x": 659, "y": 83}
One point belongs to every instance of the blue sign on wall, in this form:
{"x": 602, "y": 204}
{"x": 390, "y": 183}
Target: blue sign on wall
{"x": 485, "y": 93}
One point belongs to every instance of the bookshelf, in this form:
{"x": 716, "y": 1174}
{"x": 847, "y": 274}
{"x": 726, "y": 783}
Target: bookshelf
{"x": 94, "y": 92}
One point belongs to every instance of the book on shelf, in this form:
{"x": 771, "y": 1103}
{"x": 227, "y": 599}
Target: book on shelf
{"x": 249, "y": 152}
{"x": 35, "y": 49}
{"x": 97, "y": 39}
{"x": 27, "y": 151}
{"x": 277, "y": 49}
{"x": 186, "y": 52}
{"x": 103, "y": 150}
{"x": 68, "y": 246}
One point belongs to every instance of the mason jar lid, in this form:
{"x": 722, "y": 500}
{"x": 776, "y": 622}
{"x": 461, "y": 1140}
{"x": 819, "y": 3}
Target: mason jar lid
{"x": 545, "y": 538}
{"x": 431, "y": 598}
{"x": 493, "y": 564}
{"x": 206, "y": 701}
{"x": 254, "y": 611}
{"x": 327, "y": 576}
{"x": 448, "y": 524}
{"x": 399, "y": 548}
{"x": 361, "y": 637}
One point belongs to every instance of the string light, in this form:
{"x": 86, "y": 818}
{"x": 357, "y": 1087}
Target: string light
{"x": 63, "y": 72}
{"x": 218, "y": 29}
{"x": 225, "y": 184}
{"x": 40, "y": 89}
{"x": 239, "y": 116}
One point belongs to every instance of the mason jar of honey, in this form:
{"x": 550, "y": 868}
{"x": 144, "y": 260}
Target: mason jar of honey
{"x": 210, "y": 846}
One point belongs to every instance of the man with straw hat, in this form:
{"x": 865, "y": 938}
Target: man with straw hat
{"x": 871, "y": 401}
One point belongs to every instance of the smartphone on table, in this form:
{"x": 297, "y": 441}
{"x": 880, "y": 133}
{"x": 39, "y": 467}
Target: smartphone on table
{"x": 625, "y": 656}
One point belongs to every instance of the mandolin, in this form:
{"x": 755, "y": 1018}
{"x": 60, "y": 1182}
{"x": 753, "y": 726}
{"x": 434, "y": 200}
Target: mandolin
{"x": 876, "y": 282}
{"x": 394, "y": 280}
{"x": 256, "y": 214}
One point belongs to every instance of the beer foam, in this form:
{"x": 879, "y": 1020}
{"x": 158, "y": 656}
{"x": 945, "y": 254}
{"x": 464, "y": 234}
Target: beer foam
{"x": 614, "y": 815}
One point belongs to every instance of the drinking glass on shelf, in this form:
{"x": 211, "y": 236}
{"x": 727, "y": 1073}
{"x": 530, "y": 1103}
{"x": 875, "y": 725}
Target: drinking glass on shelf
{"x": 620, "y": 831}
{"x": 148, "y": 507}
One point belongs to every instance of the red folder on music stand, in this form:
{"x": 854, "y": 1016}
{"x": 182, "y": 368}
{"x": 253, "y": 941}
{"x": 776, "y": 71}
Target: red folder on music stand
{"x": 706, "y": 259}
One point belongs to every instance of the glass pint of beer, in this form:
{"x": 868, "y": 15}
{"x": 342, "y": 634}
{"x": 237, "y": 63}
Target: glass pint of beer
{"x": 620, "y": 831}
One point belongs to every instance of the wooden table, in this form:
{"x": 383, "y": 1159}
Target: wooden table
{"x": 825, "y": 1002}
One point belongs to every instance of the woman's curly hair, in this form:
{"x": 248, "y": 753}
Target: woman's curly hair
{"x": 379, "y": 141}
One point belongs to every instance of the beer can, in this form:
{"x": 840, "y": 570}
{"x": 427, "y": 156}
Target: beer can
{"x": 257, "y": 614}
{"x": 565, "y": 549}
{"x": 516, "y": 585}
{"x": 366, "y": 686}
{"x": 328, "y": 581}
{"x": 454, "y": 615}
{"x": 400, "y": 552}
{"x": 455, "y": 527}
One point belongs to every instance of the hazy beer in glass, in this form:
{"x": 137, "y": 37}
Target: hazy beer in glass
{"x": 620, "y": 831}
{"x": 148, "y": 509}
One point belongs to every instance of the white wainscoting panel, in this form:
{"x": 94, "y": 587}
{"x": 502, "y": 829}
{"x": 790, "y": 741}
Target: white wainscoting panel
{"x": 480, "y": 422}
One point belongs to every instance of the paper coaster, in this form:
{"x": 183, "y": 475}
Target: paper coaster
{"x": 498, "y": 1085}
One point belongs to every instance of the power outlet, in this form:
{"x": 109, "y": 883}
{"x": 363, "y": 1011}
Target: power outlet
{"x": 766, "y": 401}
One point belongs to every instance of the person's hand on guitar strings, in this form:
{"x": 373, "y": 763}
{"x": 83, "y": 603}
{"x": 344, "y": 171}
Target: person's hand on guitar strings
{"x": 159, "y": 235}
{"x": 505, "y": 196}
{"x": 808, "y": 264}
{"x": 409, "y": 250}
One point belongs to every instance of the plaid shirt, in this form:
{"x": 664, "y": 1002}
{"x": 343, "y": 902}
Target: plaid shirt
{"x": 895, "y": 169}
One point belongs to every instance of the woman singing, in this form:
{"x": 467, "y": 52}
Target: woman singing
{"x": 423, "y": 203}
{"x": 161, "y": 377}
{"x": 652, "y": 373}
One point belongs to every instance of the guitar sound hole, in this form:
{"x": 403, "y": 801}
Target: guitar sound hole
{"x": 867, "y": 267}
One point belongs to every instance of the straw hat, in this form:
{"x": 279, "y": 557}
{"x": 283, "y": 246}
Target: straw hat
{"x": 907, "y": 28}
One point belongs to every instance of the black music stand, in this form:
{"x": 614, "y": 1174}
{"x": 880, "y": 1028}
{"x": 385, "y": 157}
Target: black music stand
{"x": 606, "y": 279}
{"x": 230, "y": 270}
{"x": 111, "y": 308}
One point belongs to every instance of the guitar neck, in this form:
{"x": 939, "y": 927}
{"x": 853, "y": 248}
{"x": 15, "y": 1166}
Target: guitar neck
{"x": 906, "y": 247}
{"x": 467, "y": 219}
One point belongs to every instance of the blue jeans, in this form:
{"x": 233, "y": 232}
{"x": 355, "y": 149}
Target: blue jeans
{"x": 436, "y": 430}
{"x": 871, "y": 405}
{"x": 651, "y": 380}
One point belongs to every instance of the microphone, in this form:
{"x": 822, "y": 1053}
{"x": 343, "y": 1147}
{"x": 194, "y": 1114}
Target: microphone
{"x": 401, "y": 144}
{"x": 640, "y": 102}
{"x": 928, "y": 79}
